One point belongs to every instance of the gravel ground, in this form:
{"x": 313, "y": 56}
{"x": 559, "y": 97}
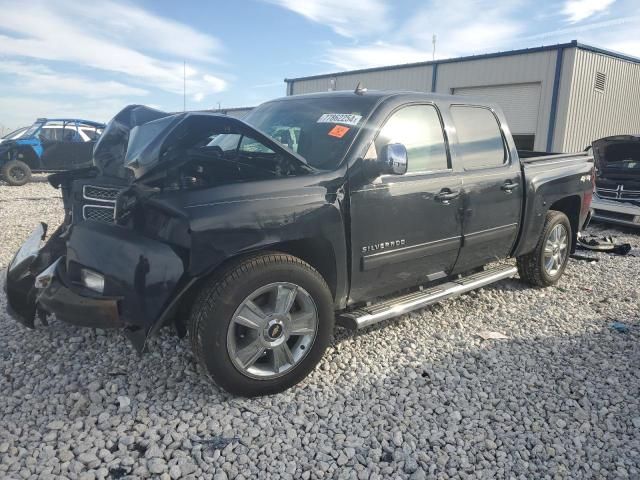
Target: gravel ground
{"x": 419, "y": 397}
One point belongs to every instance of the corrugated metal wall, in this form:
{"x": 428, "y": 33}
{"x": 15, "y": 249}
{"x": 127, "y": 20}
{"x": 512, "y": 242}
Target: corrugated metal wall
{"x": 520, "y": 103}
{"x": 536, "y": 67}
{"x": 592, "y": 114}
{"x": 582, "y": 114}
{"x": 402, "y": 78}
{"x": 527, "y": 68}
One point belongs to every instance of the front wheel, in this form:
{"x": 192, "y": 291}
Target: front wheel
{"x": 546, "y": 263}
{"x": 262, "y": 325}
{"x": 16, "y": 173}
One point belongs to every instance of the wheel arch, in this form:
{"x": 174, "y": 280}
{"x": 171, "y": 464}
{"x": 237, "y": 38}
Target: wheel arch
{"x": 317, "y": 252}
{"x": 570, "y": 206}
{"x": 29, "y": 156}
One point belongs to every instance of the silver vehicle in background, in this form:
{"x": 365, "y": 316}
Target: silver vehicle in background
{"x": 617, "y": 195}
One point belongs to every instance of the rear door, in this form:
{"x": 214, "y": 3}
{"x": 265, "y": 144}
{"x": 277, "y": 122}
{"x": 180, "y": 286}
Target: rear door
{"x": 405, "y": 229}
{"x": 491, "y": 186}
{"x": 51, "y": 136}
{"x": 68, "y": 150}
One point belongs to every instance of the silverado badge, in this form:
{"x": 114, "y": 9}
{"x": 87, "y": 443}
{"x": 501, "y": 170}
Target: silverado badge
{"x": 383, "y": 245}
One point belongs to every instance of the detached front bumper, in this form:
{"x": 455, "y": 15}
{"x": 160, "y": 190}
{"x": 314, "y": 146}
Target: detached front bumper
{"x": 25, "y": 300}
{"x": 141, "y": 279}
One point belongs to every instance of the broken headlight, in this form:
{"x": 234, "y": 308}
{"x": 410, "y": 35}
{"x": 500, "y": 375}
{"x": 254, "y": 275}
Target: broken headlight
{"x": 92, "y": 280}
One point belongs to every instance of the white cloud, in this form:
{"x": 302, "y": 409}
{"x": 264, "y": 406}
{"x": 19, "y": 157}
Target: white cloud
{"x": 26, "y": 109}
{"x": 462, "y": 28}
{"x": 39, "y": 79}
{"x": 374, "y": 55}
{"x": 578, "y": 10}
{"x": 112, "y": 37}
{"x": 351, "y": 18}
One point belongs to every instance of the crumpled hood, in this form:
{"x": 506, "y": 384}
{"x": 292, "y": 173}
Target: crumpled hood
{"x": 110, "y": 149}
{"x": 140, "y": 140}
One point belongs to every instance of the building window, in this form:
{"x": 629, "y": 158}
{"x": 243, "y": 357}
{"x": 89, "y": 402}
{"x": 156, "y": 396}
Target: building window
{"x": 600, "y": 82}
{"x": 480, "y": 142}
{"x": 524, "y": 142}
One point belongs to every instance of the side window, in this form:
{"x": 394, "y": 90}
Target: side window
{"x": 249, "y": 145}
{"x": 480, "y": 141}
{"x": 50, "y": 133}
{"x": 70, "y": 134}
{"x": 91, "y": 133}
{"x": 418, "y": 128}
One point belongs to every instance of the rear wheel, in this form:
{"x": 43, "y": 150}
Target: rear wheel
{"x": 16, "y": 173}
{"x": 263, "y": 324}
{"x": 546, "y": 263}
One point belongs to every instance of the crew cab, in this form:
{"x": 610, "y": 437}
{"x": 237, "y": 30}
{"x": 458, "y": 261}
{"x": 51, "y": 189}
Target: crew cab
{"x": 384, "y": 203}
{"x": 49, "y": 145}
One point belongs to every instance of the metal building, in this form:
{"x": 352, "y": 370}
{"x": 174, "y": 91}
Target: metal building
{"x": 237, "y": 112}
{"x": 556, "y": 98}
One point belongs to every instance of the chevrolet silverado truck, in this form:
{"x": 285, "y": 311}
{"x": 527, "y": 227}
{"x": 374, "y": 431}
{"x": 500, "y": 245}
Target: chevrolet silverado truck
{"x": 617, "y": 196}
{"x": 372, "y": 205}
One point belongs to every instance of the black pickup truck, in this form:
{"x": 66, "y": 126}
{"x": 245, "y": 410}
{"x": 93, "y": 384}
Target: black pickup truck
{"x": 255, "y": 236}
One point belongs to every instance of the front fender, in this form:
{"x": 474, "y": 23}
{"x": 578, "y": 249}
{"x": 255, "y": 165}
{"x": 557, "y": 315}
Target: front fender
{"x": 145, "y": 273}
{"x": 227, "y": 230}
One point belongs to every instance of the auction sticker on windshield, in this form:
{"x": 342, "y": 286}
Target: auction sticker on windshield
{"x": 344, "y": 118}
{"x": 338, "y": 131}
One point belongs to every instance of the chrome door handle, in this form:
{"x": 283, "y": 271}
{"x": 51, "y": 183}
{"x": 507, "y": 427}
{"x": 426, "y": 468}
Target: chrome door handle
{"x": 509, "y": 186}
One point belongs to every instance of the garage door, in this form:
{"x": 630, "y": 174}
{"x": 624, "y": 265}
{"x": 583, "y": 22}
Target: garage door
{"x": 520, "y": 103}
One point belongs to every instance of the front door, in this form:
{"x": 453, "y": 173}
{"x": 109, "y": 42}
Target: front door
{"x": 68, "y": 151}
{"x": 406, "y": 229}
{"x": 492, "y": 190}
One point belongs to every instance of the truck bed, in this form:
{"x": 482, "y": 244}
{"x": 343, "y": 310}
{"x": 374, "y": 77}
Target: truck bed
{"x": 530, "y": 156}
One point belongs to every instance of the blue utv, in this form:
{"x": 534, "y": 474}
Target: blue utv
{"x": 49, "y": 145}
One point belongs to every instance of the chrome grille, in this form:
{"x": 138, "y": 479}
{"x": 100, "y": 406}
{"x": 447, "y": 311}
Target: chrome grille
{"x": 98, "y": 213}
{"x": 101, "y": 194}
{"x": 618, "y": 193}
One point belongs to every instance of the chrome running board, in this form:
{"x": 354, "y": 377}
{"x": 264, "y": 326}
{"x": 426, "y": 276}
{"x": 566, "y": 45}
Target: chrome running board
{"x": 365, "y": 316}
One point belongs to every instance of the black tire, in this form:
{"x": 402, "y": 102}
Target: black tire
{"x": 16, "y": 173}
{"x": 531, "y": 267}
{"x": 220, "y": 297}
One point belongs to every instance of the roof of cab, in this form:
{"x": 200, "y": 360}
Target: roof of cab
{"x": 382, "y": 94}
{"x": 410, "y": 96}
{"x": 78, "y": 120}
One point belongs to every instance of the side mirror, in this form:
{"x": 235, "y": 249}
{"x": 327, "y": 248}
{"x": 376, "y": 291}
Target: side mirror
{"x": 393, "y": 159}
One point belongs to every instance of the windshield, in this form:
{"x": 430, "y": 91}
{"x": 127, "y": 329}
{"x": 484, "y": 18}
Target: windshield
{"x": 622, "y": 156}
{"x": 15, "y": 134}
{"x": 33, "y": 129}
{"x": 320, "y": 129}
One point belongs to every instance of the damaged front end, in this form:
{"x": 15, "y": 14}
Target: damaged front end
{"x": 121, "y": 257}
{"x": 617, "y": 195}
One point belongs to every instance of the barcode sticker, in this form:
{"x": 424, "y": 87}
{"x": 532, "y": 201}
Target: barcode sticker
{"x": 344, "y": 118}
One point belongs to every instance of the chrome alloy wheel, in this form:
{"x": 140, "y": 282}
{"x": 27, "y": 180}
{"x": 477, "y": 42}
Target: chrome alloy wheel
{"x": 556, "y": 249}
{"x": 272, "y": 330}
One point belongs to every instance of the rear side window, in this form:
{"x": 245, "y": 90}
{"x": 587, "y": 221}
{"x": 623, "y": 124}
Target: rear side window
{"x": 418, "y": 128}
{"x": 480, "y": 141}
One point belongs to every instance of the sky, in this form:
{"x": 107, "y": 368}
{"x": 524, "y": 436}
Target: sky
{"x": 90, "y": 59}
